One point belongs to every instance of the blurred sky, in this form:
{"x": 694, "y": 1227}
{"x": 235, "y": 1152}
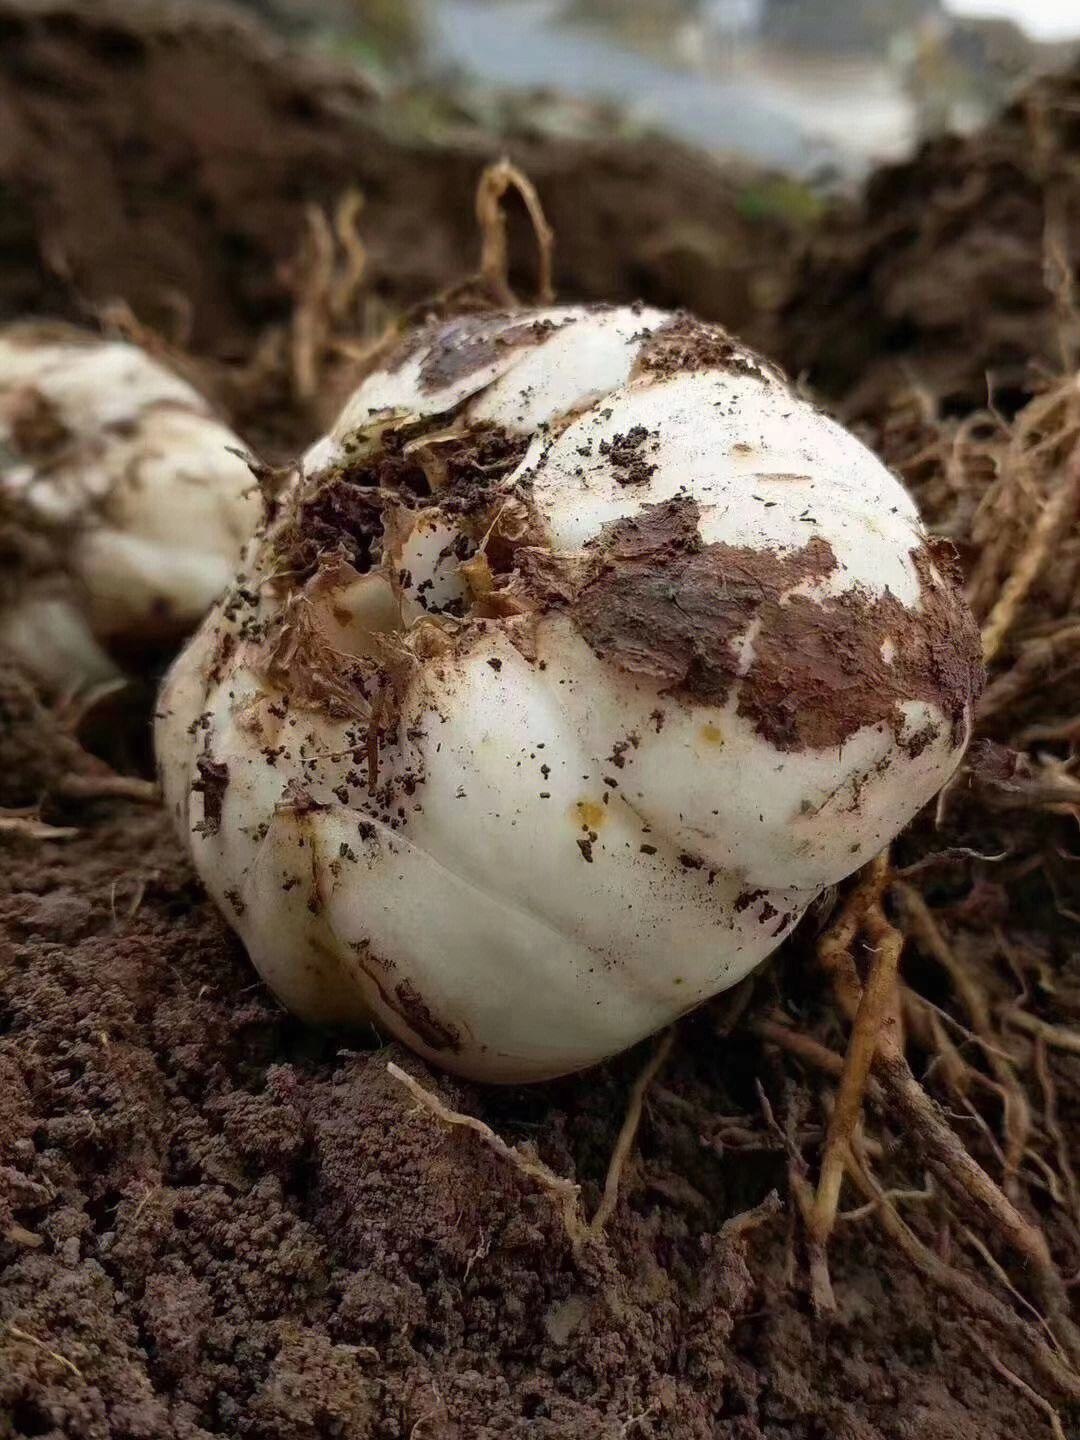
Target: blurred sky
{"x": 1042, "y": 19}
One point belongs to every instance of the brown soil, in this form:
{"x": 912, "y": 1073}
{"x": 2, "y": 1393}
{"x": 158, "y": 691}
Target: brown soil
{"x": 227, "y": 1225}
{"x": 215, "y": 1222}
{"x": 952, "y": 270}
{"x": 666, "y": 606}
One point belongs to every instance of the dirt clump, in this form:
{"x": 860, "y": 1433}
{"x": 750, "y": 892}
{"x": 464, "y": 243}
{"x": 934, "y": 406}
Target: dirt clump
{"x": 686, "y": 345}
{"x": 951, "y": 271}
{"x": 665, "y": 606}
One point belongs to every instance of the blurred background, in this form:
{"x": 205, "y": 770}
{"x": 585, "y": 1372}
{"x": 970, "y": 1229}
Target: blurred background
{"x": 821, "y": 88}
{"x": 868, "y": 192}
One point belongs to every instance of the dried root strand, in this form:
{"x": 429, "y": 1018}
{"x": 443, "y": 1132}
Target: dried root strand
{"x": 1055, "y": 1036}
{"x": 1038, "y": 659}
{"x": 351, "y": 274}
{"x": 877, "y": 1048}
{"x": 925, "y": 1025}
{"x": 565, "y": 1193}
{"x": 1053, "y": 1126}
{"x": 804, "y": 1047}
{"x": 310, "y": 320}
{"x": 974, "y": 1297}
{"x": 29, "y": 827}
{"x": 108, "y": 786}
{"x": 628, "y": 1133}
{"x": 739, "y": 1226}
{"x": 890, "y": 1197}
{"x": 329, "y": 274}
{"x": 876, "y": 1015}
{"x": 117, "y": 318}
{"x": 1010, "y": 1377}
{"x": 973, "y": 1190}
{"x": 998, "y": 1271}
{"x": 902, "y": 1095}
{"x": 967, "y": 1182}
{"x": 494, "y": 183}
{"x": 1055, "y": 516}
{"x": 930, "y": 938}
{"x": 17, "y": 1333}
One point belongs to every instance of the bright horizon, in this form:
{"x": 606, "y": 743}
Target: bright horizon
{"x": 1042, "y": 19}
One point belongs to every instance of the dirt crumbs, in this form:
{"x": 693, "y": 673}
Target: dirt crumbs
{"x": 686, "y": 345}
{"x": 626, "y": 454}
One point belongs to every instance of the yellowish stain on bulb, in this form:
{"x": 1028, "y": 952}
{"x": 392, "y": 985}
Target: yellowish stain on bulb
{"x": 588, "y": 814}
{"x": 712, "y": 735}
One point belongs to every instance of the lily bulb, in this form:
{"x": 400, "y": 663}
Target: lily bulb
{"x": 130, "y": 504}
{"x": 580, "y": 657}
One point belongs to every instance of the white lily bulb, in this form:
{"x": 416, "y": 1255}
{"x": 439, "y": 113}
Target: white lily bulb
{"x": 581, "y": 657}
{"x": 125, "y": 470}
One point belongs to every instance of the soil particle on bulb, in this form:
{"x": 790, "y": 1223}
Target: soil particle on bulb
{"x": 665, "y": 606}
{"x": 688, "y": 345}
{"x": 212, "y": 783}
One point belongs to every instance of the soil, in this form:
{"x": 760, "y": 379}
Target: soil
{"x": 665, "y": 606}
{"x": 951, "y": 271}
{"x": 217, "y": 1222}
{"x": 229, "y": 1225}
